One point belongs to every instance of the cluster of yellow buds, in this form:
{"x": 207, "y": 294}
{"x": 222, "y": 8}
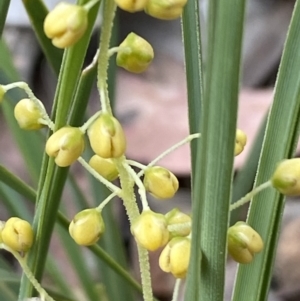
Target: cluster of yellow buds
{"x": 151, "y": 231}
{"x": 160, "y": 9}
{"x": 17, "y": 234}
{"x": 243, "y": 242}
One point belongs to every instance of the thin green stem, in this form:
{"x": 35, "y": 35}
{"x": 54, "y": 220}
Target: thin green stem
{"x": 87, "y": 124}
{"x": 101, "y": 179}
{"x": 170, "y": 150}
{"x": 22, "y": 261}
{"x": 90, "y": 4}
{"x": 106, "y": 29}
{"x": 176, "y": 290}
{"x": 179, "y": 227}
{"x": 250, "y": 195}
{"x": 106, "y": 201}
{"x": 131, "y": 207}
{"x": 114, "y": 50}
{"x": 136, "y": 164}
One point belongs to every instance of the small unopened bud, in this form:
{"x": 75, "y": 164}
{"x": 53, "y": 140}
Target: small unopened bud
{"x": 66, "y": 24}
{"x": 2, "y": 92}
{"x": 66, "y": 145}
{"x": 240, "y": 142}
{"x": 107, "y": 137}
{"x": 105, "y": 167}
{"x": 28, "y": 115}
{"x": 286, "y": 178}
{"x": 131, "y": 5}
{"x": 165, "y": 9}
{"x": 87, "y": 227}
{"x": 175, "y": 257}
{"x": 243, "y": 242}
{"x": 150, "y": 230}
{"x": 160, "y": 182}
{"x": 180, "y": 222}
{"x": 17, "y": 234}
{"x": 135, "y": 54}
{"x": 1, "y": 228}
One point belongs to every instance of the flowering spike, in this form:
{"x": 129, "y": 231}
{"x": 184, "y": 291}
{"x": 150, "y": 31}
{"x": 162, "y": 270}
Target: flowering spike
{"x": 66, "y": 145}
{"x": 160, "y": 182}
{"x": 286, "y": 178}
{"x": 66, "y": 24}
{"x": 87, "y": 227}
{"x": 243, "y": 242}
{"x": 135, "y": 54}
{"x": 150, "y": 230}
{"x": 107, "y": 137}
{"x": 17, "y": 234}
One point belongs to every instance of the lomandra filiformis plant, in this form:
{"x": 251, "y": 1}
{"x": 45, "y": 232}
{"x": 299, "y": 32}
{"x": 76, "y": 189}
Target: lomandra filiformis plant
{"x": 191, "y": 246}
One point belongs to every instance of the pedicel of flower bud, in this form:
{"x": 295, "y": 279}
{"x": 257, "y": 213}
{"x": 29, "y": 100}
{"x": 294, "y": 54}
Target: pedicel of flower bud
{"x": 17, "y": 234}
{"x": 28, "y": 115}
{"x": 150, "y": 230}
{"x": 66, "y": 24}
{"x": 135, "y": 54}
{"x": 240, "y": 142}
{"x": 87, "y": 227}
{"x": 107, "y": 137}
{"x": 105, "y": 167}
{"x": 175, "y": 257}
{"x": 243, "y": 242}
{"x": 165, "y": 9}
{"x": 178, "y": 219}
{"x": 66, "y": 145}
{"x": 131, "y": 5}
{"x": 160, "y": 182}
{"x": 286, "y": 178}
{"x": 2, "y": 92}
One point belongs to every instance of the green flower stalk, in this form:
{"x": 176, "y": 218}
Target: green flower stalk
{"x": 135, "y": 54}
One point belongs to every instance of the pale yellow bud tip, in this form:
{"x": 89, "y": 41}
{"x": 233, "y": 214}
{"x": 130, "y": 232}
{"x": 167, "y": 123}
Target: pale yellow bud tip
{"x": 135, "y": 54}
{"x": 131, "y": 5}
{"x": 66, "y": 24}
{"x": 160, "y": 182}
{"x": 175, "y": 257}
{"x": 286, "y": 178}
{"x": 17, "y": 234}
{"x": 87, "y": 227}
{"x": 240, "y": 142}
{"x": 66, "y": 145}
{"x": 107, "y": 137}
{"x": 2, "y": 92}
{"x": 28, "y": 115}
{"x": 150, "y": 230}
{"x": 105, "y": 167}
{"x": 243, "y": 242}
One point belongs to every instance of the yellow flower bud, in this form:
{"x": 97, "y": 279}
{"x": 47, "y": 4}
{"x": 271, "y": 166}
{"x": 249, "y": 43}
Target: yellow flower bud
{"x": 175, "y": 257}
{"x": 243, "y": 242}
{"x": 66, "y": 24}
{"x": 1, "y": 228}
{"x": 28, "y": 115}
{"x": 87, "y": 227}
{"x": 105, "y": 167}
{"x": 2, "y": 92}
{"x": 179, "y": 219}
{"x": 131, "y": 5}
{"x": 165, "y": 9}
{"x": 17, "y": 234}
{"x": 66, "y": 145}
{"x": 286, "y": 178}
{"x": 135, "y": 54}
{"x": 150, "y": 230}
{"x": 160, "y": 182}
{"x": 107, "y": 137}
{"x": 240, "y": 142}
